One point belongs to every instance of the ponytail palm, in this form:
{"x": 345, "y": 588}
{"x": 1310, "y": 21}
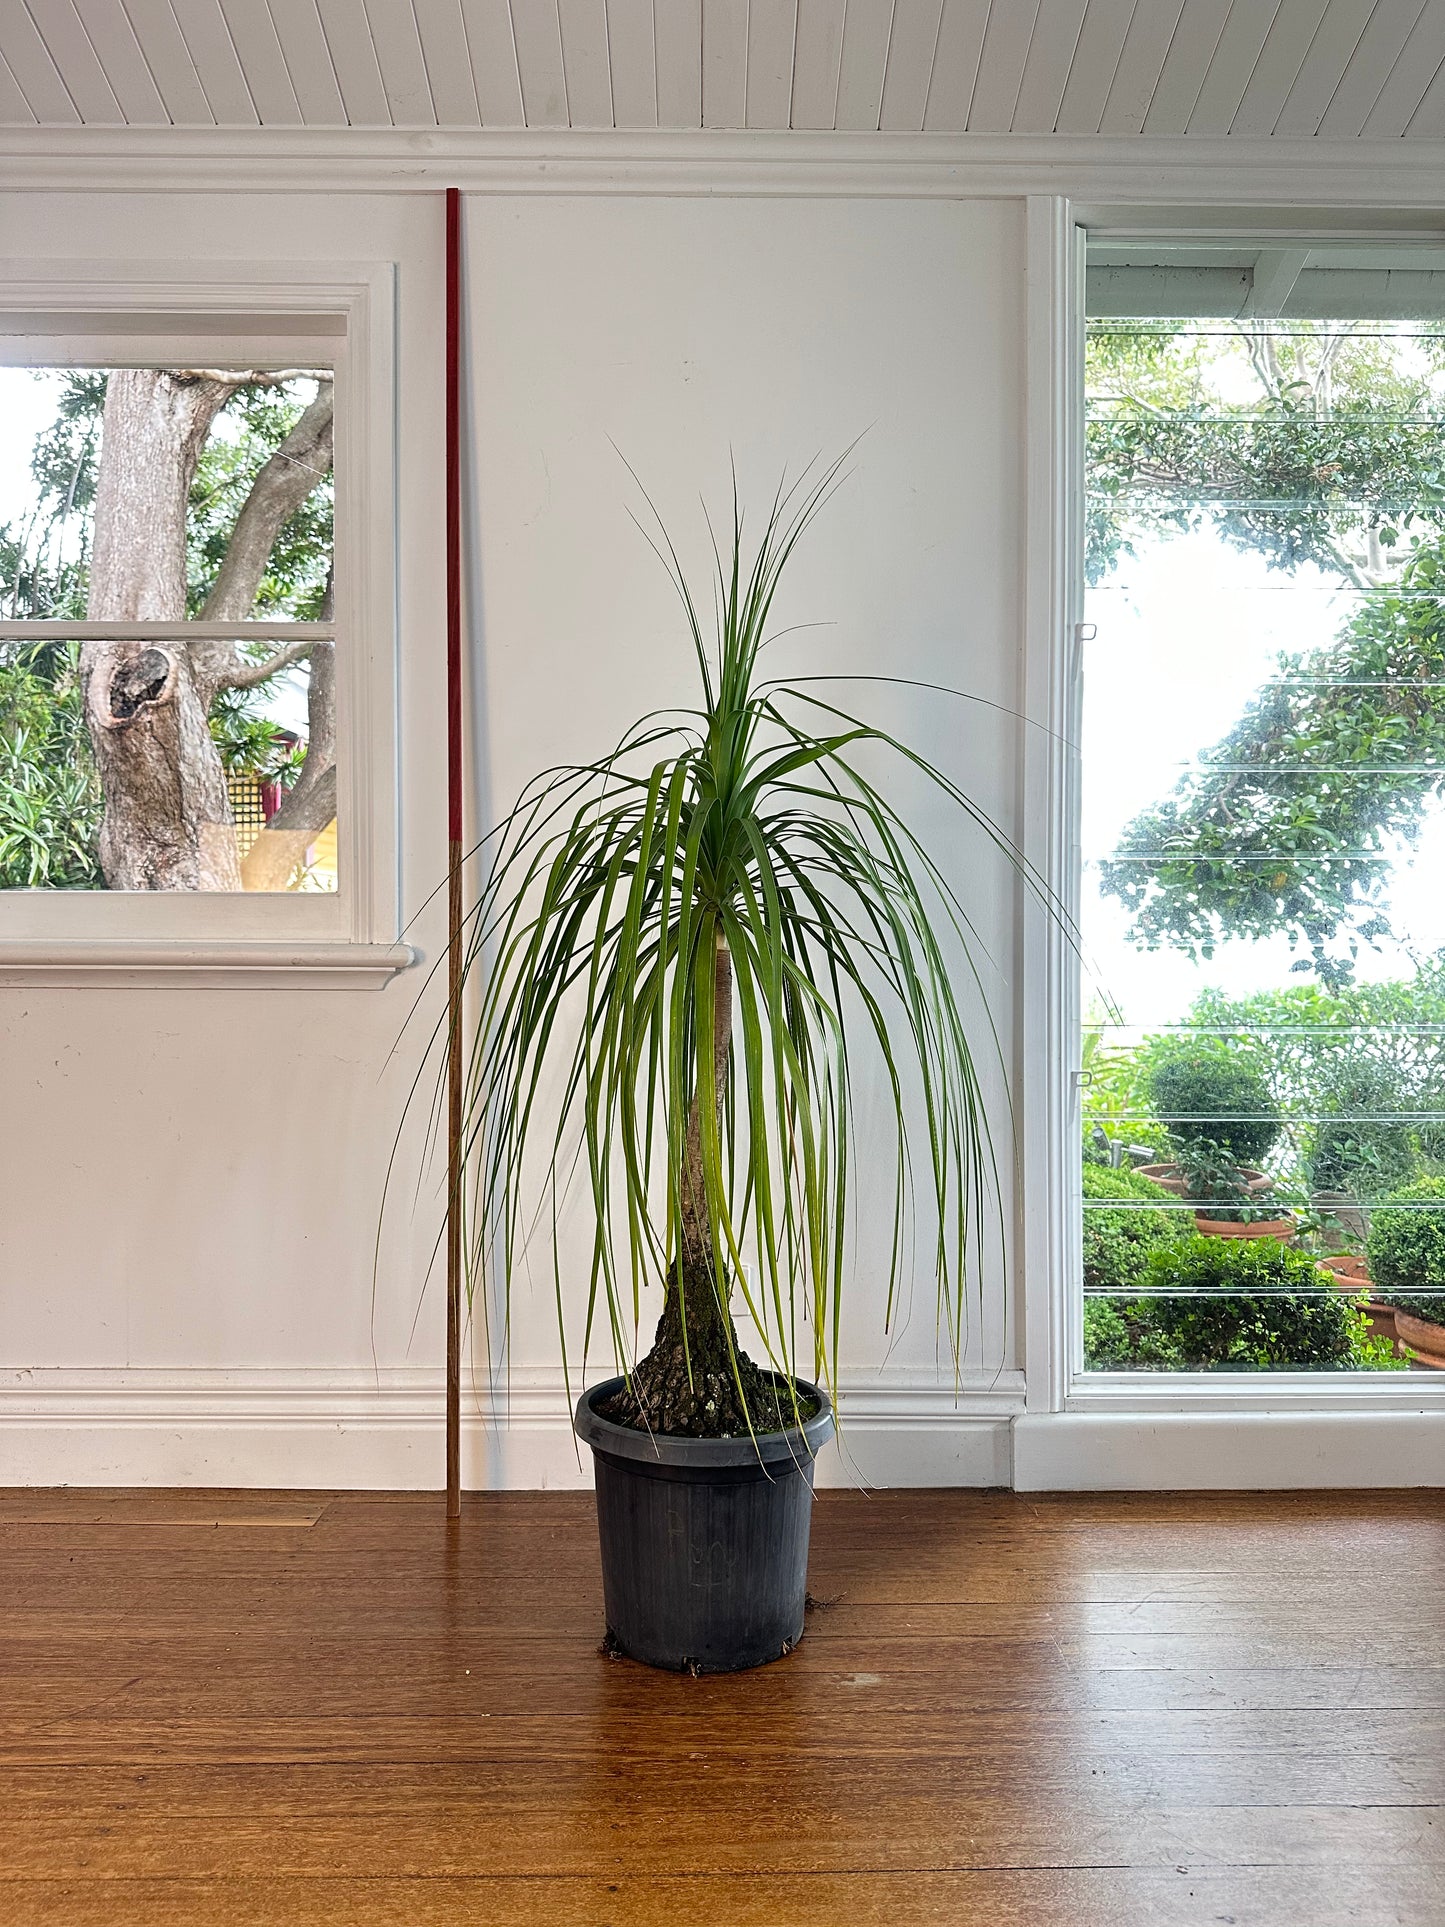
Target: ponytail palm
{"x": 681, "y": 954}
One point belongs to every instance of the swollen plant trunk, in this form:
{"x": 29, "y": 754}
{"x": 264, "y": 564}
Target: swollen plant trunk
{"x": 167, "y": 822}
{"x": 689, "y": 1383}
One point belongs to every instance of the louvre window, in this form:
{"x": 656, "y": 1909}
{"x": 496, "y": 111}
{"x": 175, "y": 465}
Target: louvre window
{"x": 1263, "y": 812}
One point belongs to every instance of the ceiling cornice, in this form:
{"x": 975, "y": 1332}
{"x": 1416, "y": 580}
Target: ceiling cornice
{"x": 1392, "y": 175}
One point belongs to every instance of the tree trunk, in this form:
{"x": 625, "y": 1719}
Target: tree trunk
{"x": 695, "y": 1382}
{"x": 167, "y": 822}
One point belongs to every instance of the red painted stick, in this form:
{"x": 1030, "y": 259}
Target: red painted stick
{"x": 454, "y": 855}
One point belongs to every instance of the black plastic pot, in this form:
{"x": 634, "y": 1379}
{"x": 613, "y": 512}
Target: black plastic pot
{"x": 704, "y": 1541}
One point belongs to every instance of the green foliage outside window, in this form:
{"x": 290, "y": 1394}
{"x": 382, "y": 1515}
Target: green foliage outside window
{"x": 1118, "y": 1241}
{"x": 1281, "y": 1314}
{"x": 1214, "y": 1102}
{"x": 1333, "y": 463}
{"x": 1407, "y": 1250}
{"x": 49, "y": 796}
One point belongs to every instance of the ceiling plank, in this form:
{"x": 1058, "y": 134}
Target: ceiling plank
{"x": 1235, "y": 59}
{"x": 772, "y": 38}
{"x": 1190, "y": 51}
{"x": 348, "y": 39}
{"x": 168, "y": 61}
{"x": 253, "y": 35}
{"x": 724, "y": 63}
{"x": 403, "y": 69}
{"x": 1428, "y": 120}
{"x": 817, "y": 59}
{"x": 912, "y": 44}
{"x": 14, "y": 107}
{"x": 1146, "y": 47}
{"x": 33, "y": 68}
{"x": 218, "y": 68}
{"x": 677, "y": 52}
{"x": 1410, "y": 77}
{"x": 68, "y": 45}
{"x": 1380, "y": 46}
{"x": 1001, "y": 66}
{"x": 493, "y": 51}
{"x": 448, "y": 62}
{"x": 116, "y": 48}
{"x": 955, "y": 65}
{"x": 586, "y": 62}
{"x": 1330, "y": 53}
{"x": 1278, "y": 68}
{"x": 308, "y": 62}
{"x": 1051, "y": 55}
{"x": 633, "y": 63}
{"x": 1096, "y": 65}
{"x": 537, "y": 32}
{"x": 863, "y": 64}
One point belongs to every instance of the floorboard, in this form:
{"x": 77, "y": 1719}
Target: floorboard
{"x": 1155, "y": 1711}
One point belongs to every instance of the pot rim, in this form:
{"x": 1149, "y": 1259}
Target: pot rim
{"x": 771, "y": 1448}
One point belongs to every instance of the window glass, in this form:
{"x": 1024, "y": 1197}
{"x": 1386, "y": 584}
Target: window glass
{"x": 1263, "y": 845}
{"x": 147, "y": 759}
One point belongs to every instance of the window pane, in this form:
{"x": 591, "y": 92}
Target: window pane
{"x": 243, "y": 800}
{"x": 167, "y": 495}
{"x": 1263, "y": 834}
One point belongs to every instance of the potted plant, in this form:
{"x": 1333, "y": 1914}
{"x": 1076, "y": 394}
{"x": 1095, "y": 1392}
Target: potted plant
{"x": 682, "y": 955}
{"x": 1407, "y": 1266}
{"x": 1216, "y": 1108}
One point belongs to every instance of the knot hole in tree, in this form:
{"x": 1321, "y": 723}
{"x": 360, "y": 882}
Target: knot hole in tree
{"x": 139, "y": 682}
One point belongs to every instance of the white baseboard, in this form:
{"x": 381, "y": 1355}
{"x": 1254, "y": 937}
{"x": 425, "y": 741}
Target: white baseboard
{"x": 384, "y": 1431}
{"x": 1205, "y": 1451}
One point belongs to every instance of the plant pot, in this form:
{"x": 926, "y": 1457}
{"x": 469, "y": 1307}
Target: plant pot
{"x": 1380, "y": 1320}
{"x": 1253, "y": 1183}
{"x": 1349, "y": 1270}
{"x": 1261, "y": 1228}
{"x": 704, "y": 1541}
{"x": 1424, "y": 1341}
{"x": 1172, "y": 1179}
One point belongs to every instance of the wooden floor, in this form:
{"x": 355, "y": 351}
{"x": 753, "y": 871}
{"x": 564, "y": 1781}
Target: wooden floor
{"x": 1072, "y": 1712}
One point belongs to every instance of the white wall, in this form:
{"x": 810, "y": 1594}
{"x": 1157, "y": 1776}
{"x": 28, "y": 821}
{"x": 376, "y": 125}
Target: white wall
{"x": 190, "y": 1179}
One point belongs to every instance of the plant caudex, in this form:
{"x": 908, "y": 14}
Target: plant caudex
{"x": 680, "y": 954}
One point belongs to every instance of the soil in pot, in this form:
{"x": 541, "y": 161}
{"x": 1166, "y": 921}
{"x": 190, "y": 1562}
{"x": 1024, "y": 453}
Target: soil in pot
{"x": 704, "y": 1540}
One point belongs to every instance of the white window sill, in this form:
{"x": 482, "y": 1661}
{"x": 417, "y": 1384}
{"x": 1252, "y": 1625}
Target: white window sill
{"x": 34, "y": 964}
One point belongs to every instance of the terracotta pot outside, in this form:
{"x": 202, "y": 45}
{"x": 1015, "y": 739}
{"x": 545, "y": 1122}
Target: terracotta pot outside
{"x": 1380, "y": 1320}
{"x": 1349, "y": 1270}
{"x": 1261, "y": 1228}
{"x": 1424, "y": 1341}
{"x": 1172, "y": 1180}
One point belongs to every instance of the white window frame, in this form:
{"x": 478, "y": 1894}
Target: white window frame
{"x": 1102, "y": 1429}
{"x": 251, "y": 315}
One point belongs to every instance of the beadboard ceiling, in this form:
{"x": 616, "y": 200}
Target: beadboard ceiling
{"x": 1339, "y": 69}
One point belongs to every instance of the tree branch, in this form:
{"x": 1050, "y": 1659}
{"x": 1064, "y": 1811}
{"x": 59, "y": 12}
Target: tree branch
{"x": 280, "y": 487}
{"x": 242, "y": 674}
